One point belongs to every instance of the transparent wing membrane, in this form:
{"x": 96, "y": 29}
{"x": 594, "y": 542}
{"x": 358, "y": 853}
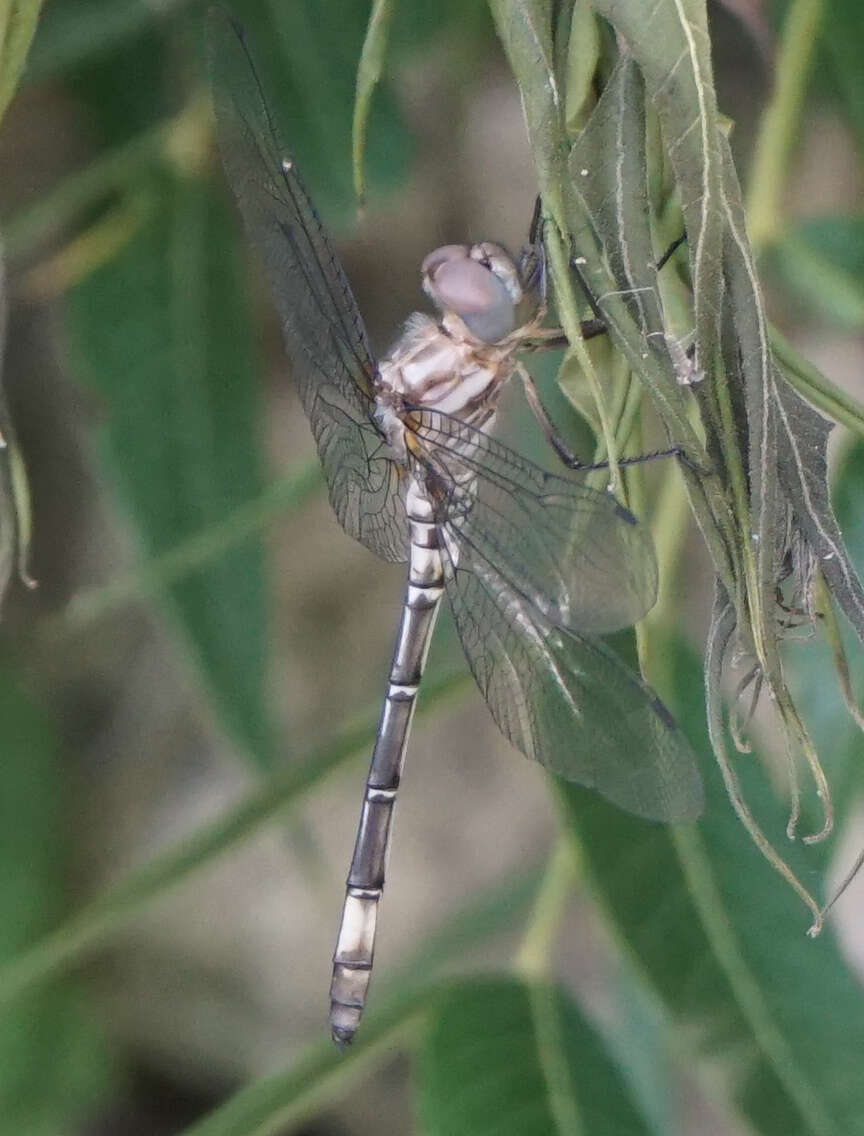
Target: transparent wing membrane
{"x": 534, "y": 564}
{"x": 568, "y": 701}
{"x": 323, "y": 331}
{"x": 575, "y": 553}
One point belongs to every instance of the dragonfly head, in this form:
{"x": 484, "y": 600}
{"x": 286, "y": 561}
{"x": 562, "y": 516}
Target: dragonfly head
{"x": 479, "y": 283}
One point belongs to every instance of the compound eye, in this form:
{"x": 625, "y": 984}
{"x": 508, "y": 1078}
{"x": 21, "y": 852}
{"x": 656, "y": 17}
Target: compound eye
{"x": 441, "y": 256}
{"x": 499, "y": 261}
{"x": 475, "y": 293}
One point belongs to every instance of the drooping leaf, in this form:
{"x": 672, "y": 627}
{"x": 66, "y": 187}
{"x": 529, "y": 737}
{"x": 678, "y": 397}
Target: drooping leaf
{"x": 307, "y": 52}
{"x": 506, "y": 1058}
{"x": 162, "y": 335}
{"x": 813, "y": 677}
{"x": 609, "y": 219}
{"x": 368, "y": 77}
{"x": 786, "y": 439}
{"x": 803, "y": 469}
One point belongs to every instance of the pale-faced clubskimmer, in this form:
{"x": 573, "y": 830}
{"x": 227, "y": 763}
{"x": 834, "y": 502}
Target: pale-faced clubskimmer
{"x": 535, "y": 566}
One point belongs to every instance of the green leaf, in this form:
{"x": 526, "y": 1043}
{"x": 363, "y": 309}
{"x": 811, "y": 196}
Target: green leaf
{"x": 582, "y": 59}
{"x": 812, "y": 673}
{"x": 17, "y": 26}
{"x": 368, "y": 77}
{"x": 815, "y": 387}
{"x": 52, "y": 1066}
{"x": 803, "y": 468}
{"x": 722, "y": 941}
{"x": 671, "y": 45}
{"x": 608, "y": 168}
{"x": 307, "y": 52}
{"x": 513, "y": 1059}
{"x": 842, "y": 36}
{"x": 72, "y": 35}
{"x": 525, "y": 30}
{"x": 162, "y": 335}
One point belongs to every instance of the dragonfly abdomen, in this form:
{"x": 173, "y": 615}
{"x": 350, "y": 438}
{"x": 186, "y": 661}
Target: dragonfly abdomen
{"x": 355, "y": 945}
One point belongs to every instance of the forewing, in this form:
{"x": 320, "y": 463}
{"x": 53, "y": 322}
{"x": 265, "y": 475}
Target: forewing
{"x": 576, "y": 554}
{"x": 324, "y": 335}
{"x": 567, "y": 701}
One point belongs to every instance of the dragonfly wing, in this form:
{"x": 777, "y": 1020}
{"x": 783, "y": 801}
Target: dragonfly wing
{"x": 576, "y": 554}
{"x": 324, "y": 335}
{"x": 568, "y": 701}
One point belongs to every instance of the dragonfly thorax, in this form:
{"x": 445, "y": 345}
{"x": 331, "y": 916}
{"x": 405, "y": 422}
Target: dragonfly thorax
{"x": 433, "y": 366}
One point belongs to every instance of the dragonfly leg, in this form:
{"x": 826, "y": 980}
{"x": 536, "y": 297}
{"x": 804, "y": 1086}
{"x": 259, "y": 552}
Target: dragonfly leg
{"x": 566, "y": 454}
{"x": 553, "y": 338}
{"x": 673, "y": 248}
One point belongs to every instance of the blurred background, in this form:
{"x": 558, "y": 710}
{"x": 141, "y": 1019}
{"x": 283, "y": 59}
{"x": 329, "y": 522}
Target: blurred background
{"x": 195, "y": 626}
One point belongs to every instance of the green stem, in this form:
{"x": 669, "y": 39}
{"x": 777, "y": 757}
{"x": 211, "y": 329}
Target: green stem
{"x": 284, "y": 1100}
{"x": 532, "y": 959}
{"x": 780, "y": 122}
{"x": 186, "y": 557}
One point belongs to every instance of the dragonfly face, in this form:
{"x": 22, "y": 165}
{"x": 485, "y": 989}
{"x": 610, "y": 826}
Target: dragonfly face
{"x": 535, "y": 566}
{"x": 479, "y": 283}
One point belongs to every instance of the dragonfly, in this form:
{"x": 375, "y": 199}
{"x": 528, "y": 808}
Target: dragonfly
{"x": 536, "y": 566}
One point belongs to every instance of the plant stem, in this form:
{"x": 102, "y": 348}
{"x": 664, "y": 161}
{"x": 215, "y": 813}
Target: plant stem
{"x": 532, "y": 959}
{"x": 184, "y": 558}
{"x": 780, "y": 121}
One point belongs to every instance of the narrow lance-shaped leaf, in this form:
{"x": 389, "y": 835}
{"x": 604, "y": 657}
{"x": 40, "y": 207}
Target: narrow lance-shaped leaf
{"x": 608, "y": 215}
{"x": 17, "y": 26}
{"x": 608, "y": 171}
{"x": 761, "y": 515}
{"x": 670, "y": 42}
{"x": 525, "y": 29}
{"x": 368, "y": 77}
{"x": 785, "y": 444}
{"x": 514, "y": 1059}
{"x": 582, "y": 58}
{"x": 724, "y": 945}
{"x": 162, "y": 334}
{"x": 53, "y": 1068}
